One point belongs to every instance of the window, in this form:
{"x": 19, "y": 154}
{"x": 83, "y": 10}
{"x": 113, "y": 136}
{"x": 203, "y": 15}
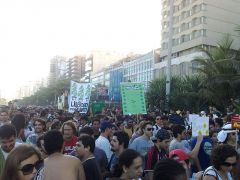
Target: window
{"x": 203, "y": 20}
{"x": 176, "y": 30}
{"x": 204, "y": 32}
{"x": 175, "y": 19}
{"x": 185, "y": 38}
{"x": 203, "y": 7}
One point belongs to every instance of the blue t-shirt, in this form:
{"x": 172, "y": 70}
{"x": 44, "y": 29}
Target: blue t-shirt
{"x": 204, "y": 153}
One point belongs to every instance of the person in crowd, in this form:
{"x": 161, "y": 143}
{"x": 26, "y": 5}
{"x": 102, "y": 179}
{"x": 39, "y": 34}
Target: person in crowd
{"x": 211, "y": 125}
{"x": 19, "y": 122}
{"x": 224, "y": 157}
{"x": 119, "y": 143}
{"x": 85, "y": 148}
{"x": 130, "y": 165}
{"x": 22, "y": 163}
{"x": 4, "y": 116}
{"x": 179, "y": 142}
{"x": 169, "y": 169}
{"x": 56, "y": 125}
{"x": 99, "y": 154}
{"x": 56, "y": 164}
{"x": 143, "y": 143}
{"x": 159, "y": 150}
{"x": 204, "y": 152}
{"x": 40, "y": 128}
{"x": 76, "y": 116}
{"x": 161, "y": 121}
{"x": 69, "y": 132}
{"x": 102, "y": 141}
{"x": 40, "y": 146}
{"x": 182, "y": 157}
{"x": 218, "y": 124}
{"x": 96, "y": 127}
{"x": 228, "y": 135}
{"x": 129, "y": 128}
{"x": 7, "y": 142}
{"x": 138, "y": 132}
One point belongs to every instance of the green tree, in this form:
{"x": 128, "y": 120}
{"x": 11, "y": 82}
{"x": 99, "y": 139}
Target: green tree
{"x": 221, "y": 70}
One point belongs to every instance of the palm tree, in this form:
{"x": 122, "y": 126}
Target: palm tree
{"x": 221, "y": 69}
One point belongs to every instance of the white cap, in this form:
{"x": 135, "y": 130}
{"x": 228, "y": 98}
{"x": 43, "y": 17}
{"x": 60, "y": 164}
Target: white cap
{"x": 226, "y": 129}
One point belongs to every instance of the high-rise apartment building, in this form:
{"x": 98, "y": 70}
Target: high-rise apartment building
{"x": 196, "y": 23}
{"x": 57, "y": 69}
{"x": 75, "y": 68}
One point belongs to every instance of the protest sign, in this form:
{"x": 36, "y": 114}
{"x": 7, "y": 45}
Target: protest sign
{"x": 133, "y": 100}
{"x": 79, "y": 97}
{"x": 236, "y": 121}
{"x": 200, "y": 126}
{"x": 97, "y": 107}
{"x": 193, "y": 117}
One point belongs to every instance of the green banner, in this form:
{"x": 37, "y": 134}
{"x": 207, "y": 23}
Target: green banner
{"x": 133, "y": 100}
{"x": 97, "y": 107}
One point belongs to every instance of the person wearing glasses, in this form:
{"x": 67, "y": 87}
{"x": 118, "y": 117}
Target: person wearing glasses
{"x": 143, "y": 143}
{"x": 22, "y": 163}
{"x": 224, "y": 157}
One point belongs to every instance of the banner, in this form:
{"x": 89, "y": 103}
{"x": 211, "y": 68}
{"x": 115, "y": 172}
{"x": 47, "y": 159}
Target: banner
{"x": 236, "y": 121}
{"x": 61, "y": 102}
{"x": 133, "y": 100}
{"x": 97, "y": 107}
{"x": 200, "y": 126}
{"x": 79, "y": 97}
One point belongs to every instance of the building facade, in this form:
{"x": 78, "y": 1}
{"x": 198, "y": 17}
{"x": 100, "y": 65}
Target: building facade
{"x": 75, "y": 68}
{"x": 196, "y": 23}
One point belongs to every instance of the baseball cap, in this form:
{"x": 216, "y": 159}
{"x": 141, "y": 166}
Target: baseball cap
{"x": 179, "y": 153}
{"x": 105, "y": 125}
{"x": 162, "y": 134}
{"x": 226, "y": 129}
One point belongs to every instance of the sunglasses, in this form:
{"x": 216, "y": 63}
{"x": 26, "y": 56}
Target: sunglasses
{"x": 28, "y": 168}
{"x": 150, "y": 129}
{"x": 229, "y": 164}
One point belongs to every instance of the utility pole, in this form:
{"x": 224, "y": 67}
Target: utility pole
{"x": 169, "y": 56}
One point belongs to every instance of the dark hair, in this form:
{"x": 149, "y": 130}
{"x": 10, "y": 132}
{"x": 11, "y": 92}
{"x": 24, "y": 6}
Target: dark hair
{"x": 211, "y": 122}
{"x": 220, "y": 153}
{"x": 177, "y": 129}
{"x": 15, "y": 157}
{"x": 55, "y": 124}
{"x": 7, "y": 131}
{"x": 19, "y": 122}
{"x": 53, "y": 141}
{"x": 164, "y": 117}
{"x": 87, "y": 141}
{"x": 145, "y": 124}
{"x": 219, "y": 121}
{"x": 169, "y": 169}
{"x": 41, "y": 137}
{"x": 127, "y": 157}
{"x": 95, "y": 119}
{"x": 123, "y": 138}
{"x": 86, "y": 130}
{"x": 40, "y": 121}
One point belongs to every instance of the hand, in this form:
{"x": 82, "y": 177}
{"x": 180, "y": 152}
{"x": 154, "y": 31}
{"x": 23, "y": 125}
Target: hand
{"x": 200, "y": 138}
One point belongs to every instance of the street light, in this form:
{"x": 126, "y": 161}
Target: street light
{"x": 169, "y": 56}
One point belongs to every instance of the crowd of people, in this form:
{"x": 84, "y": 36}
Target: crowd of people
{"x": 42, "y": 143}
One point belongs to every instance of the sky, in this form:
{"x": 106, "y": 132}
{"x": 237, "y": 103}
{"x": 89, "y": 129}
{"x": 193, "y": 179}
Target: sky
{"x": 34, "y": 31}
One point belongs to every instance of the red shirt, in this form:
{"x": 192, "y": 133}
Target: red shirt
{"x": 69, "y": 145}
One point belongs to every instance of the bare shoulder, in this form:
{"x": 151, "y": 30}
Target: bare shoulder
{"x": 72, "y": 159}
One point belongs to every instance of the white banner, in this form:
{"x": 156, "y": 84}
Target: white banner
{"x": 79, "y": 97}
{"x": 200, "y": 126}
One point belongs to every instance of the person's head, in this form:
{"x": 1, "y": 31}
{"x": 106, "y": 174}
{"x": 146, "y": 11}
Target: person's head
{"x": 4, "y": 116}
{"x": 129, "y": 123}
{"x": 179, "y": 131}
{"x": 22, "y": 163}
{"x": 7, "y": 137}
{"x": 86, "y": 131}
{"x": 211, "y": 125}
{"x": 182, "y": 157}
{"x": 106, "y": 128}
{"x": 163, "y": 138}
{"x": 130, "y": 162}
{"x": 68, "y": 130}
{"x": 227, "y": 135}
{"x": 96, "y": 124}
{"x": 224, "y": 157}
{"x": 56, "y": 125}
{"x": 147, "y": 129}
{"x": 19, "y": 122}
{"x": 119, "y": 141}
{"x": 40, "y": 146}
{"x": 170, "y": 170}
{"x": 85, "y": 146}
{"x": 53, "y": 142}
{"x": 39, "y": 125}
{"x": 218, "y": 123}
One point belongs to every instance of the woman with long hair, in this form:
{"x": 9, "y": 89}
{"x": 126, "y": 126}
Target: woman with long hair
{"x": 22, "y": 163}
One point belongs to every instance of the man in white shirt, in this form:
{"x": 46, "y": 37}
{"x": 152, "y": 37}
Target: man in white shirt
{"x": 102, "y": 141}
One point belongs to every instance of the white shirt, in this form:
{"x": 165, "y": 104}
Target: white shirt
{"x": 103, "y": 143}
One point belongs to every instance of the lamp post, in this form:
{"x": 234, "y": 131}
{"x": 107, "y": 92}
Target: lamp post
{"x": 169, "y": 56}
